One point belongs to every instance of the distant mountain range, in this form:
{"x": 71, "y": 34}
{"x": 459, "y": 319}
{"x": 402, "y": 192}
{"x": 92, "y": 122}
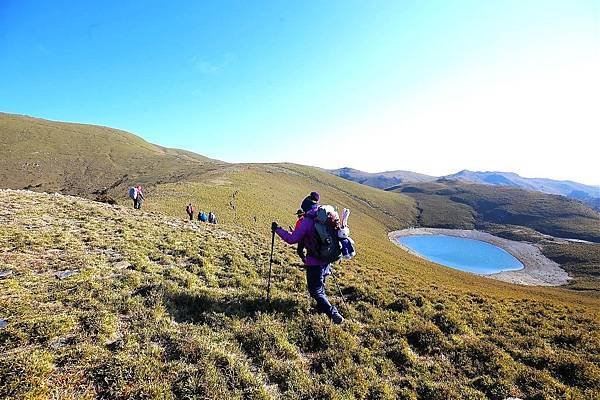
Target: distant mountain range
{"x": 381, "y": 180}
{"x": 587, "y": 194}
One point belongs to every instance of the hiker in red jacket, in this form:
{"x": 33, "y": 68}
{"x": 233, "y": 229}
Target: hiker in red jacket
{"x": 300, "y": 249}
{"x": 300, "y": 215}
{"x": 190, "y": 211}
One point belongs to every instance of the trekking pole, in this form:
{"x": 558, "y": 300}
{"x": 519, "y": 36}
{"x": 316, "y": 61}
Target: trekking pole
{"x": 338, "y": 286}
{"x": 270, "y": 265}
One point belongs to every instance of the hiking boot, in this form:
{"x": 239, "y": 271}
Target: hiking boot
{"x": 337, "y": 318}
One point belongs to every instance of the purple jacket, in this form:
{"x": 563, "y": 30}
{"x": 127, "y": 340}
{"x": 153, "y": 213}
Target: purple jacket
{"x": 306, "y": 235}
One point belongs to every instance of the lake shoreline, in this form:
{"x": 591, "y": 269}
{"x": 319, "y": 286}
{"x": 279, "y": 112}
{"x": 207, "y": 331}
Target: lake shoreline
{"x": 538, "y": 270}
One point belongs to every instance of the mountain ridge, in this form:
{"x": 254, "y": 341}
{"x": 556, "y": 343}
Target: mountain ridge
{"x": 502, "y": 205}
{"x": 588, "y": 194}
{"x": 381, "y": 180}
{"x": 84, "y": 159}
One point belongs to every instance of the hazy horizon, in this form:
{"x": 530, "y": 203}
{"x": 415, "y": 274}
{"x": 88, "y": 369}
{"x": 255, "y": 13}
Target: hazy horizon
{"x": 432, "y": 87}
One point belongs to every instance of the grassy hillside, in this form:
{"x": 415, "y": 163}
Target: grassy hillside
{"x": 437, "y": 211}
{"x": 517, "y": 215}
{"x": 84, "y": 159}
{"x": 162, "y": 308}
{"x": 549, "y": 214}
{"x": 239, "y": 193}
{"x": 580, "y": 260}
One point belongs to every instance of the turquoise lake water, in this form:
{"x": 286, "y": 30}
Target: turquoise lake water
{"x": 465, "y": 254}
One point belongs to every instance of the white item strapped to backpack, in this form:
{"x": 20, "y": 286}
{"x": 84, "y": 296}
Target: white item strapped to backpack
{"x": 346, "y": 241}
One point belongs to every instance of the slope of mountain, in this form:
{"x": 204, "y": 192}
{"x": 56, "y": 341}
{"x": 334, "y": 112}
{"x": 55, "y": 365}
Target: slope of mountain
{"x": 381, "y": 180}
{"x": 103, "y": 301}
{"x": 518, "y": 215}
{"x": 162, "y": 308}
{"x": 550, "y": 214}
{"x": 585, "y": 193}
{"x": 84, "y": 159}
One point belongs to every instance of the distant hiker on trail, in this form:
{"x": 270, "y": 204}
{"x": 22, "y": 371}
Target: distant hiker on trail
{"x": 189, "y": 209}
{"x": 202, "y": 217}
{"x": 317, "y": 268}
{"x": 212, "y": 218}
{"x": 140, "y": 196}
{"x": 136, "y": 194}
{"x": 132, "y": 193}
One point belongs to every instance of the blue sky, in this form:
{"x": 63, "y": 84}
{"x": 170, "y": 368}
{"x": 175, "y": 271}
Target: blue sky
{"x": 430, "y": 86}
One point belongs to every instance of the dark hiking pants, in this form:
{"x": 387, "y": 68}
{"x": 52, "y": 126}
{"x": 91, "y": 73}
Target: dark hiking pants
{"x": 315, "y": 279}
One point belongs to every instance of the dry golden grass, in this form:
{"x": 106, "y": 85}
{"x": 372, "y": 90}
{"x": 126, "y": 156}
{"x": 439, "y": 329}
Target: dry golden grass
{"x": 163, "y": 308}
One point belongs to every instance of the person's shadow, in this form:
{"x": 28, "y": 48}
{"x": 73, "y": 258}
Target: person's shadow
{"x": 200, "y": 308}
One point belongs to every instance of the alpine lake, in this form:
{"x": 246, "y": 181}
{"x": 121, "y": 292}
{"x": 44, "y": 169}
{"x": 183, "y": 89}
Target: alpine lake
{"x": 460, "y": 253}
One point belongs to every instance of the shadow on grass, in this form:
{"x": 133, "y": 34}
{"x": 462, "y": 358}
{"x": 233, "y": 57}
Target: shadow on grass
{"x": 202, "y": 308}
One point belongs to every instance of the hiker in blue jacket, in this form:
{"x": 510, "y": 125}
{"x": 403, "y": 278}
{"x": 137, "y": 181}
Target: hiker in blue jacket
{"x": 317, "y": 270}
{"x": 202, "y": 217}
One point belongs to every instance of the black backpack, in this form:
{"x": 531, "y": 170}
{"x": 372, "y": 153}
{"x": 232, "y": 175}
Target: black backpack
{"x": 328, "y": 248}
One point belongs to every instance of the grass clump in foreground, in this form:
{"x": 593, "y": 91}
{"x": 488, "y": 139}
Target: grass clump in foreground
{"x": 162, "y": 308}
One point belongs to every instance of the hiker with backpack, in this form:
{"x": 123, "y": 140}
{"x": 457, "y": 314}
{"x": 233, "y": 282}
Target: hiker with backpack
{"x": 189, "y": 209}
{"x": 202, "y": 217}
{"x": 212, "y": 218}
{"x": 132, "y": 193}
{"x": 318, "y": 235}
{"x": 140, "y": 196}
{"x": 136, "y": 194}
